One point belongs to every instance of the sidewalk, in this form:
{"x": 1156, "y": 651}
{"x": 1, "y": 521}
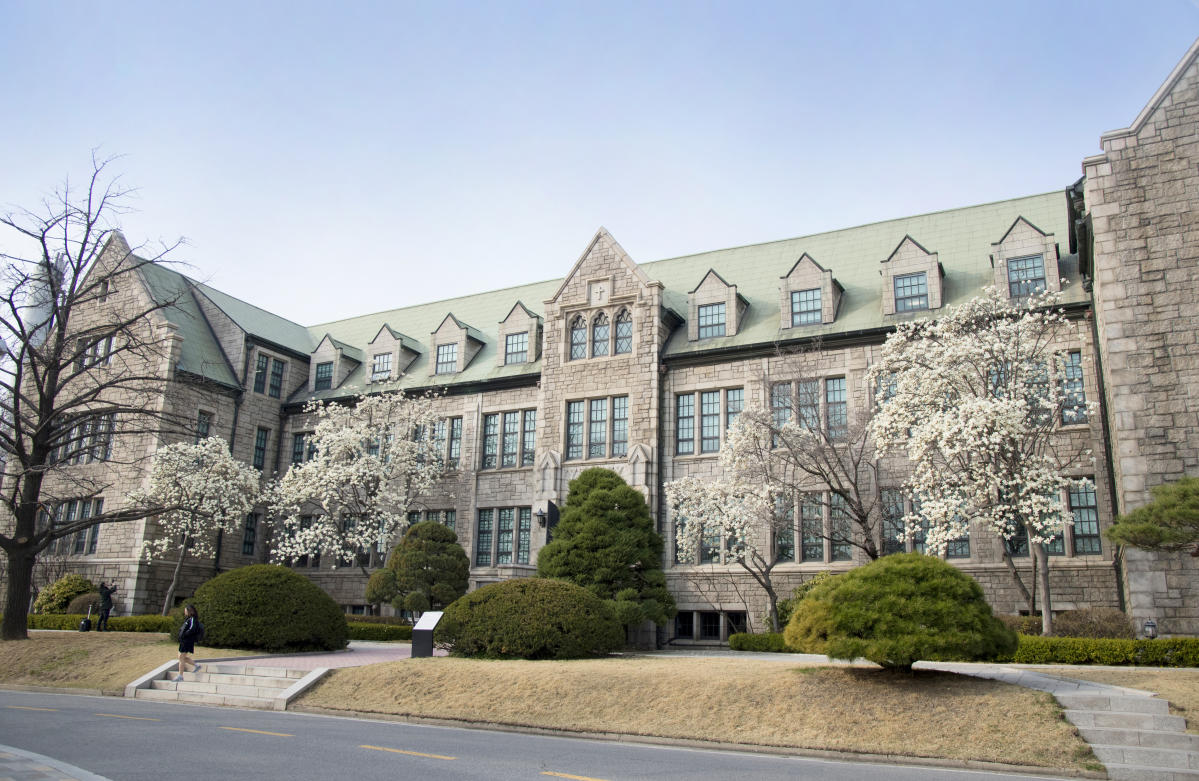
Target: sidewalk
{"x": 20, "y": 765}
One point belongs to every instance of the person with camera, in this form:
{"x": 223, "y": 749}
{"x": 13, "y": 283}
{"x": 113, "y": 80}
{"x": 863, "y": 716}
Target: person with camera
{"x": 106, "y": 593}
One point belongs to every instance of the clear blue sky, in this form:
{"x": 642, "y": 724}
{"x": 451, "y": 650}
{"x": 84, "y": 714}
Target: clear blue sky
{"x": 326, "y": 160}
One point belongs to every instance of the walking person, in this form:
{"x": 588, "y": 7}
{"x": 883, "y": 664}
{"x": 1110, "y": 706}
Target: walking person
{"x": 106, "y": 593}
{"x": 188, "y": 633}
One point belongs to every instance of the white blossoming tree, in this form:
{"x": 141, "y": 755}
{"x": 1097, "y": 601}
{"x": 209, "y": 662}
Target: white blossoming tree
{"x": 975, "y": 399}
{"x": 201, "y": 490}
{"x": 372, "y": 461}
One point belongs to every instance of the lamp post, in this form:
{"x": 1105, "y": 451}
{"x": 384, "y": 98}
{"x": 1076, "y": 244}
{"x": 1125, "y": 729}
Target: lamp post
{"x": 1150, "y": 629}
{"x": 540, "y": 517}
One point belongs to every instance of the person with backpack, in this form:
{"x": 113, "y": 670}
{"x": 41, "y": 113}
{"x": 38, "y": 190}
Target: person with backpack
{"x": 190, "y": 633}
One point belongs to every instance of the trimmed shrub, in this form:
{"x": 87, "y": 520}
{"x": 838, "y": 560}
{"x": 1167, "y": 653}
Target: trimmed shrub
{"x": 70, "y": 621}
{"x": 768, "y": 642}
{"x": 897, "y": 611}
{"x": 81, "y": 603}
{"x": 389, "y": 620}
{"x": 360, "y": 630}
{"x": 1023, "y": 625}
{"x": 787, "y": 605}
{"x": 267, "y": 607}
{"x": 1163, "y": 652}
{"x": 58, "y": 595}
{"x": 1094, "y": 622}
{"x": 530, "y": 618}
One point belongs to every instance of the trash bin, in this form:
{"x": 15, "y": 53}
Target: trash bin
{"x": 422, "y": 633}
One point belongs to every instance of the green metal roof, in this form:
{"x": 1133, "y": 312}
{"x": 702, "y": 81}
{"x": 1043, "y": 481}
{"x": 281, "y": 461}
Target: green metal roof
{"x": 261, "y": 323}
{"x": 961, "y": 238}
{"x": 200, "y": 353}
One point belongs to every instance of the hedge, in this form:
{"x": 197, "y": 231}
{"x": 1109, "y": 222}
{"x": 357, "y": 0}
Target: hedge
{"x": 389, "y": 620}
{"x": 1162, "y": 652}
{"x": 115, "y": 623}
{"x": 362, "y": 630}
{"x": 769, "y": 642}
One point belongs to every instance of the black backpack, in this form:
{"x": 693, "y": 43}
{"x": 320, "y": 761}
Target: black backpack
{"x": 198, "y": 633}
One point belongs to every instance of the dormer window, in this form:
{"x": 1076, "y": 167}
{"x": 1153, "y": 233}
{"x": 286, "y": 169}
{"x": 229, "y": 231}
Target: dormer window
{"x": 599, "y": 336}
{"x": 805, "y": 307}
{"x": 578, "y": 338}
{"x": 516, "y": 348}
{"x": 624, "y": 333}
{"x": 324, "y": 376}
{"x": 1026, "y": 276}
{"x": 711, "y": 320}
{"x": 381, "y": 367}
{"x": 447, "y": 359}
{"x": 911, "y": 292}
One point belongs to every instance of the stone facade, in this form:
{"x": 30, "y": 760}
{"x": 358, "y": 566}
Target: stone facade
{"x": 1142, "y": 197}
{"x": 611, "y": 366}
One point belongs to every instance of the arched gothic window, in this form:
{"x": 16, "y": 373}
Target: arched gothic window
{"x": 578, "y": 338}
{"x": 599, "y": 335}
{"x": 624, "y": 333}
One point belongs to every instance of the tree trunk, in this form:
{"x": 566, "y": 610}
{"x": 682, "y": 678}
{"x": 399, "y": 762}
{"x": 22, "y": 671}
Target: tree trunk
{"x": 16, "y": 602}
{"x": 1011, "y": 567}
{"x": 1043, "y": 578}
{"x": 166, "y": 603}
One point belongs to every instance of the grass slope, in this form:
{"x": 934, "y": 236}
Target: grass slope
{"x": 749, "y": 701}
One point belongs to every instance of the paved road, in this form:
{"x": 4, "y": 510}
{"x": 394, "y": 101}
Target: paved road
{"x": 136, "y": 740}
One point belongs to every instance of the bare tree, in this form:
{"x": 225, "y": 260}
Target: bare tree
{"x": 84, "y": 366}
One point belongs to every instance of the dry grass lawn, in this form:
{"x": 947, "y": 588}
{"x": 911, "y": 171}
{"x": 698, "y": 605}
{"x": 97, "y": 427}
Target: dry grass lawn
{"x": 89, "y": 660}
{"x": 1180, "y": 687}
{"x": 745, "y": 701}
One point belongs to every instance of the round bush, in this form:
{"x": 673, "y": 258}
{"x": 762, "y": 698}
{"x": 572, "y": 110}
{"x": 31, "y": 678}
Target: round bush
{"x": 58, "y": 595}
{"x": 897, "y": 611}
{"x": 532, "y": 618}
{"x": 270, "y": 608}
{"x": 81, "y": 603}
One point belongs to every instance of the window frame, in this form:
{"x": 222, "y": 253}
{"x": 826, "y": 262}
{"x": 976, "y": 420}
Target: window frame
{"x": 802, "y": 310}
{"x": 1022, "y": 279}
{"x": 711, "y": 320}
{"x": 446, "y": 359}
{"x": 910, "y": 301}
{"x": 381, "y": 367}
{"x": 322, "y": 378}
{"x": 516, "y": 348}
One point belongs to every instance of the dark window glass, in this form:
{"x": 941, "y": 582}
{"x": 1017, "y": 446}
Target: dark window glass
{"x": 599, "y": 335}
{"x": 578, "y": 339}
{"x": 1086, "y": 520}
{"x": 455, "y": 442}
{"x": 620, "y": 426}
{"x": 811, "y": 517}
{"x": 523, "y": 529}
{"x": 249, "y": 535}
{"x": 840, "y": 529}
{"x": 685, "y": 430}
{"x": 260, "y": 373}
{"x": 447, "y": 359}
{"x": 684, "y": 625}
{"x": 324, "y": 376}
{"x": 260, "y": 439}
{"x": 837, "y": 407}
{"x": 709, "y": 421}
{"x": 1074, "y": 407}
{"x": 597, "y": 435}
{"x": 624, "y": 333}
{"x": 709, "y": 625}
{"x": 1025, "y": 276}
{"x": 808, "y": 404}
{"x": 203, "y": 425}
{"x": 911, "y": 292}
{"x": 734, "y": 403}
{"x": 276, "y": 387}
{"x": 504, "y": 537}
{"x": 574, "y": 430}
{"x": 528, "y": 447}
{"x": 483, "y": 539}
{"x": 892, "y": 507}
{"x": 805, "y": 307}
{"x": 711, "y": 321}
{"x": 297, "y": 448}
{"x": 490, "y": 440}
{"x": 516, "y": 347}
{"x": 511, "y": 445}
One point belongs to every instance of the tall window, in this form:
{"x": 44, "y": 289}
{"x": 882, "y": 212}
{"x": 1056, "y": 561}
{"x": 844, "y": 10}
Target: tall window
{"x": 447, "y": 359}
{"x": 1025, "y": 276}
{"x": 892, "y": 527}
{"x": 784, "y": 538}
{"x": 734, "y": 403}
{"x": 203, "y": 425}
{"x": 504, "y": 535}
{"x": 324, "y": 376}
{"x": 275, "y": 390}
{"x": 1074, "y": 408}
{"x": 483, "y": 538}
{"x": 574, "y": 430}
{"x": 624, "y": 333}
{"x": 807, "y": 395}
{"x": 511, "y": 444}
{"x": 620, "y": 426}
{"x": 709, "y": 421}
{"x": 780, "y": 404}
{"x": 836, "y": 409}
{"x": 1086, "y": 520}
{"x": 811, "y": 522}
{"x": 685, "y": 427}
{"x": 711, "y": 321}
{"x": 578, "y": 338}
{"x": 597, "y": 436}
{"x": 959, "y": 548}
{"x": 298, "y": 443}
{"x": 249, "y": 534}
{"x": 911, "y": 292}
{"x": 524, "y": 526}
{"x": 260, "y": 369}
{"x": 455, "y": 445}
{"x": 840, "y": 532}
{"x": 381, "y": 367}
{"x": 528, "y": 438}
{"x": 599, "y": 335}
{"x": 260, "y": 439}
{"x": 96, "y": 352}
{"x": 516, "y": 348}
{"x": 805, "y": 307}
{"x": 490, "y": 440}
{"x": 93, "y": 534}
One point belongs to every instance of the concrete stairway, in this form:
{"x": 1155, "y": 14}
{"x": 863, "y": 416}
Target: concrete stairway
{"x": 1134, "y": 736}
{"x": 236, "y": 684}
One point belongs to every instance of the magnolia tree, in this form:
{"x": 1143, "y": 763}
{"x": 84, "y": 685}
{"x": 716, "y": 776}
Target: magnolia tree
{"x": 372, "y": 460}
{"x": 205, "y": 490}
{"x": 743, "y": 515}
{"x": 974, "y": 399}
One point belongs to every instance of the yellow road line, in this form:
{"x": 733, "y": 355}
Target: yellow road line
{"x": 26, "y": 707}
{"x": 409, "y": 753}
{"x": 119, "y": 716}
{"x": 568, "y": 775}
{"x": 259, "y": 732}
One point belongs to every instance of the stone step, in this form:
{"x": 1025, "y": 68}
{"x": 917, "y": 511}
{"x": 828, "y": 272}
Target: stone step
{"x": 244, "y": 680}
{"x": 237, "y": 701}
{"x": 1120, "y": 703}
{"x": 1141, "y": 773}
{"x": 207, "y": 687}
{"x": 1115, "y": 720}
{"x": 1143, "y": 738}
{"x": 1161, "y": 758}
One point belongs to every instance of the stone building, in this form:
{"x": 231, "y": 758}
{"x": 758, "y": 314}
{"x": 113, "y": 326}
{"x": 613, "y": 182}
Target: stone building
{"x": 639, "y": 367}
